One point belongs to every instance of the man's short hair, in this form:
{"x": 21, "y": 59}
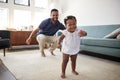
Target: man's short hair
{"x": 54, "y": 10}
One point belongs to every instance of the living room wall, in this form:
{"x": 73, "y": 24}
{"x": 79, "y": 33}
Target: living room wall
{"x": 87, "y": 12}
{"x": 92, "y": 12}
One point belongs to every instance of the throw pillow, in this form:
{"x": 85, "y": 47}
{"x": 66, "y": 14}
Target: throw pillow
{"x": 118, "y": 36}
{"x": 113, "y": 34}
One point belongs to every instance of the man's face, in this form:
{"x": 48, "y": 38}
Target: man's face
{"x": 54, "y": 15}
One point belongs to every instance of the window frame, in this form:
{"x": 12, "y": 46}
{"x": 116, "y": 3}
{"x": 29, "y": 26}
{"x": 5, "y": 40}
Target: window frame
{"x": 21, "y": 3}
{"x": 6, "y": 1}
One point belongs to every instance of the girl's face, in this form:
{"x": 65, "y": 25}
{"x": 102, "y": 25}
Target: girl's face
{"x": 71, "y": 25}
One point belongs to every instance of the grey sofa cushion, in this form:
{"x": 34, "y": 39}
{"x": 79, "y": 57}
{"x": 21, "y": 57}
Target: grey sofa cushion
{"x": 99, "y": 31}
{"x": 113, "y": 43}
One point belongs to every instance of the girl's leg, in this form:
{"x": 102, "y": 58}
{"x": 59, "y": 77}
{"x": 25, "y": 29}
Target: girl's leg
{"x": 64, "y": 64}
{"x": 73, "y": 64}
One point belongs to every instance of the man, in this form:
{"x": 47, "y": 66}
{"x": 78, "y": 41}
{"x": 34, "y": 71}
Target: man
{"x": 46, "y": 32}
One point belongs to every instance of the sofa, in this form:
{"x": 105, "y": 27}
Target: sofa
{"x": 96, "y": 42}
{"x": 4, "y": 40}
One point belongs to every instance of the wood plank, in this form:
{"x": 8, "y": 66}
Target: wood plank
{"x": 5, "y": 74}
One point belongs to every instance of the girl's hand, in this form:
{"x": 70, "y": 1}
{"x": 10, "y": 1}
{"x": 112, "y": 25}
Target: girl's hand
{"x": 82, "y": 33}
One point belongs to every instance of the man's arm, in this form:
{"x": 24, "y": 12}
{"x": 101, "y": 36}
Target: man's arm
{"x": 60, "y": 40}
{"x": 30, "y": 36}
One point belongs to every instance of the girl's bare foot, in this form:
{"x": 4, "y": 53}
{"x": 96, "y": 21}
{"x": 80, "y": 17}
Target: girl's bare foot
{"x": 63, "y": 76}
{"x": 74, "y": 72}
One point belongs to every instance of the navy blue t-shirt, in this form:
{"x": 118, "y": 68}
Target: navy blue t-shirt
{"x": 49, "y": 29}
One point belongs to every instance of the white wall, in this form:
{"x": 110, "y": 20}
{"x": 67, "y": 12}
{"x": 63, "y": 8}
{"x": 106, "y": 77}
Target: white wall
{"x": 87, "y": 12}
{"x": 92, "y": 12}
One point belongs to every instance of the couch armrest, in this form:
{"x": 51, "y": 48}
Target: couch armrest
{"x": 5, "y": 34}
{"x": 4, "y": 43}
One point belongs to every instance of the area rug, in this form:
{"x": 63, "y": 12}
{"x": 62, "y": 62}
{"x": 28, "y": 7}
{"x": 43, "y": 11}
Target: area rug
{"x": 29, "y": 65}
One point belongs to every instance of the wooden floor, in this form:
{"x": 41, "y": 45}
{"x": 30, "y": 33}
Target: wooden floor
{"x": 5, "y": 74}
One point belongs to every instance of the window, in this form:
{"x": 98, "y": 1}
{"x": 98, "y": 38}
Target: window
{"x": 4, "y": 1}
{"x": 3, "y": 18}
{"x": 22, "y": 18}
{"x": 22, "y": 2}
{"x": 41, "y": 3}
{"x": 39, "y": 16}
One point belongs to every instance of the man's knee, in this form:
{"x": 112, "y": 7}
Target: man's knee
{"x": 41, "y": 38}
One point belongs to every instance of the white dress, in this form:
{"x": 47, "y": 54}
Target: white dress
{"x": 71, "y": 42}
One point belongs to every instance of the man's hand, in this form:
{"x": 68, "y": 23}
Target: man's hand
{"x": 58, "y": 45}
{"x": 28, "y": 41}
